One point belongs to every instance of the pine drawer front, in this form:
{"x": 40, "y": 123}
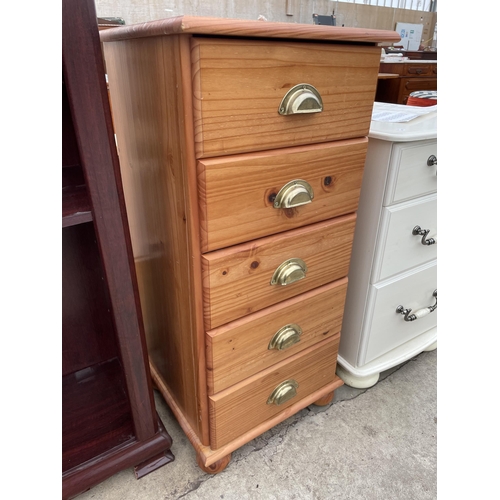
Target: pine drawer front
{"x": 244, "y": 347}
{"x": 245, "y": 405}
{"x": 410, "y": 174}
{"x": 399, "y": 249}
{"x": 237, "y": 194}
{"x": 238, "y": 87}
{"x": 237, "y": 280}
{"x": 412, "y": 290}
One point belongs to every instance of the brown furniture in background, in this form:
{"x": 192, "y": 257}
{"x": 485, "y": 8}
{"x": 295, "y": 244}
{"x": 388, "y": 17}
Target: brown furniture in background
{"x": 242, "y": 146}
{"x": 412, "y": 76}
{"x": 108, "y": 414}
{"x": 414, "y": 54}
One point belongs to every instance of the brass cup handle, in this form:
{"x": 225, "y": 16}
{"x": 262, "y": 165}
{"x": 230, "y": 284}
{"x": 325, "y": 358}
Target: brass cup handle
{"x": 285, "y": 337}
{"x": 289, "y": 272}
{"x": 283, "y": 392}
{"x": 302, "y": 98}
{"x": 421, "y": 312}
{"x": 294, "y": 194}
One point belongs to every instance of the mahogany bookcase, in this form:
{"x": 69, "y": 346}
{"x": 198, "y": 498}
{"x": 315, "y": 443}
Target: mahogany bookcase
{"x": 109, "y": 421}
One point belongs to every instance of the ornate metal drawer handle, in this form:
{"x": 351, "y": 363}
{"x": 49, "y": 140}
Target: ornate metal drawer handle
{"x": 431, "y": 161}
{"x": 294, "y": 194}
{"x": 283, "y": 392}
{"x": 420, "y": 313}
{"x": 289, "y": 272}
{"x": 302, "y": 98}
{"x": 285, "y": 337}
{"x": 418, "y": 231}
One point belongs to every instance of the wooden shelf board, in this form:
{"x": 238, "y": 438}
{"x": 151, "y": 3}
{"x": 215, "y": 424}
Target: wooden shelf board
{"x": 96, "y": 413}
{"x": 75, "y": 205}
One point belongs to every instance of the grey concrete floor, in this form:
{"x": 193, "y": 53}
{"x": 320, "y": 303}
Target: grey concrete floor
{"x": 376, "y": 443}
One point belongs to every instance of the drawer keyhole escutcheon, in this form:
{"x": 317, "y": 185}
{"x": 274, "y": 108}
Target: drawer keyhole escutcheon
{"x": 289, "y": 272}
{"x": 302, "y": 98}
{"x": 294, "y": 194}
{"x": 283, "y": 392}
{"x": 418, "y": 231}
{"x": 420, "y": 313}
{"x": 285, "y": 337}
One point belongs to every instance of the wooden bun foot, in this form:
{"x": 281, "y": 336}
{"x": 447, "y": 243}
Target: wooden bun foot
{"x": 214, "y": 468}
{"x": 325, "y": 400}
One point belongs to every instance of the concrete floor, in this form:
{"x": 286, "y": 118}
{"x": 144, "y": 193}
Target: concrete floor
{"x": 376, "y": 443}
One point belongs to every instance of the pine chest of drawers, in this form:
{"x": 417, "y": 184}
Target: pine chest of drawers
{"x": 394, "y": 257}
{"x": 242, "y": 146}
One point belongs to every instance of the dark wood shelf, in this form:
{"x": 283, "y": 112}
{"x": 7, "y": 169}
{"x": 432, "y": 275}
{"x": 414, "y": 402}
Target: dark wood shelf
{"x": 89, "y": 335}
{"x": 96, "y": 413}
{"x": 75, "y": 205}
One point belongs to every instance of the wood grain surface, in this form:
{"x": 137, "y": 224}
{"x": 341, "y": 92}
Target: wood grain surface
{"x": 240, "y": 349}
{"x": 210, "y": 456}
{"x": 240, "y": 27}
{"x": 206, "y": 240}
{"x": 236, "y": 193}
{"x": 246, "y": 402}
{"x": 150, "y": 87}
{"x": 238, "y": 86}
{"x": 236, "y": 280}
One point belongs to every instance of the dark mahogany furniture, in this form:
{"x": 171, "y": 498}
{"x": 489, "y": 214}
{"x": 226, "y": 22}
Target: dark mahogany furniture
{"x": 108, "y": 414}
{"x": 413, "y": 75}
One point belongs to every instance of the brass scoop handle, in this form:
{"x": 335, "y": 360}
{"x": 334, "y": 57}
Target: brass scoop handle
{"x": 285, "y": 337}
{"x": 302, "y": 98}
{"x": 283, "y": 392}
{"x": 294, "y": 194}
{"x": 289, "y": 272}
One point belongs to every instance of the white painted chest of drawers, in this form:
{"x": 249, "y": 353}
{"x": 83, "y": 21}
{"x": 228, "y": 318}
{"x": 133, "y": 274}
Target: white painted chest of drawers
{"x": 394, "y": 257}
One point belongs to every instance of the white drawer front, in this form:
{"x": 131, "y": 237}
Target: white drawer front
{"x": 409, "y": 174}
{"x": 388, "y": 328}
{"x": 398, "y": 249}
